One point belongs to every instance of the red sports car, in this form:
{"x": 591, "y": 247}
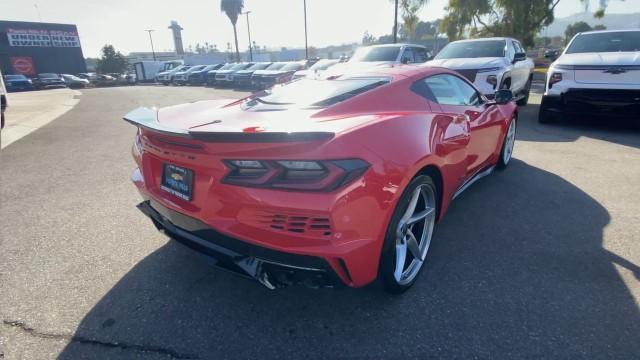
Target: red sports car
{"x": 321, "y": 182}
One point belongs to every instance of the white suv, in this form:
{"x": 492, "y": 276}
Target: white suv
{"x": 490, "y": 64}
{"x": 598, "y": 74}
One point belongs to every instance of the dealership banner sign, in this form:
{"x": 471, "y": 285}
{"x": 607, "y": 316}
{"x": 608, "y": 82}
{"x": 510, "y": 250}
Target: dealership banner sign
{"x": 43, "y": 38}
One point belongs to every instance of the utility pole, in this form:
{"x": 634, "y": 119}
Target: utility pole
{"x": 38, "y": 10}
{"x": 249, "y": 31}
{"x": 151, "y": 40}
{"x": 395, "y": 25}
{"x": 306, "y": 45}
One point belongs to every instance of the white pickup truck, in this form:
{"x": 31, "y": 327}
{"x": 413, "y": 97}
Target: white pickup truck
{"x": 490, "y": 64}
{"x": 597, "y": 75}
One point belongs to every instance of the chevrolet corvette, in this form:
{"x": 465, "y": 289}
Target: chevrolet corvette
{"x": 322, "y": 183}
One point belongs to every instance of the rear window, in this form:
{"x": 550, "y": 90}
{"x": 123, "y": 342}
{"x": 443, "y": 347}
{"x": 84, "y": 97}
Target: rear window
{"x": 383, "y": 53}
{"x": 323, "y": 65}
{"x": 275, "y": 66}
{"x": 15, "y": 77}
{"x": 239, "y": 67}
{"x": 473, "y": 49}
{"x": 605, "y": 42}
{"x": 291, "y": 66}
{"x": 307, "y": 93}
{"x": 49, "y": 76}
{"x": 259, "y": 66}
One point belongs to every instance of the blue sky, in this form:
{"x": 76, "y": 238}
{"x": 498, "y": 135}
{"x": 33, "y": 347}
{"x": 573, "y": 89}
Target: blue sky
{"x": 274, "y": 23}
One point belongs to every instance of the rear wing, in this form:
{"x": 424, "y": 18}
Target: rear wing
{"x": 147, "y": 118}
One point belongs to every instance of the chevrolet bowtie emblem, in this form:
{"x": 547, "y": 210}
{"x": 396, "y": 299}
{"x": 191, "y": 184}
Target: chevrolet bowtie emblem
{"x": 615, "y": 71}
{"x": 177, "y": 177}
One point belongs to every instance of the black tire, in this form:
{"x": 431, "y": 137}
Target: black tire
{"x": 506, "y": 84}
{"x": 525, "y": 99}
{"x": 388, "y": 258}
{"x": 502, "y": 163}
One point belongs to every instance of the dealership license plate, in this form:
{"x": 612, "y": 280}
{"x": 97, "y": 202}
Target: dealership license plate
{"x": 177, "y": 181}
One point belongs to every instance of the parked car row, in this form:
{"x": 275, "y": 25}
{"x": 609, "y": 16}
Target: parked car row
{"x": 257, "y": 75}
{"x": 261, "y": 75}
{"x": 53, "y": 80}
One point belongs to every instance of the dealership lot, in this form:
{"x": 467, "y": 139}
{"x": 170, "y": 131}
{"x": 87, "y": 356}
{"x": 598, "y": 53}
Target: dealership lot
{"x": 32, "y": 110}
{"x": 539, "y": 261}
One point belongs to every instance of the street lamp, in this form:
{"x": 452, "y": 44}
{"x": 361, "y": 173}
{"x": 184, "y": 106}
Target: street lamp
{"x": 306, "y": 45}
{"x": 151, "y": 40}
{"x": 395, "y": 25}
{"x": 249, "y": 31}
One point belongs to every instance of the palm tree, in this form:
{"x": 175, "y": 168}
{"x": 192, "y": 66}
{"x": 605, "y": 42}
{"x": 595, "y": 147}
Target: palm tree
{"x": 233, "y": 9}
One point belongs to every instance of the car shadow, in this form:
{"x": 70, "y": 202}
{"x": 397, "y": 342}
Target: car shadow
{"x": 517, "y": 270}
{"x": 624, "y": 132}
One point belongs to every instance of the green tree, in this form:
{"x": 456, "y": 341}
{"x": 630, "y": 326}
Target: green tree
{"x": 426, "y": 30}
{"x": 368, "y": 39}
{"x": 233, "y": 9}
{"x": 521, "y": 19}
{"x": 516, "y": 18}
{"x": 409, "y": 12}
{"x": 111, "y": 61}
{"x": 410, "y": 19}
{"x": 575, "y": 28}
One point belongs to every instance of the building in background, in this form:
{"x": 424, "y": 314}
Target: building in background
{"x": 177, "y": 37}
{"x": 147, "y": 56}
{"x": 30, "y": 48}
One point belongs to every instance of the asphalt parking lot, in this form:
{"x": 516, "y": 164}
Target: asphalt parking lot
{"x": 539, "y": 261}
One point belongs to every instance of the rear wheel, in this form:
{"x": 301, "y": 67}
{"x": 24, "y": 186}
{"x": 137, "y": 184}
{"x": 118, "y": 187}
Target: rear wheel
{"x": 508, "y": 144}
{"x": 409, "y": 235}
{"x": 525, "y": 96}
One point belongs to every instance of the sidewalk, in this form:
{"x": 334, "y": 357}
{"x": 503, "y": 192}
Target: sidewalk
{"x": 29, "y": 111}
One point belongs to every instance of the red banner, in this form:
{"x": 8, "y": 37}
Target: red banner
{"x": 23, "y": 65}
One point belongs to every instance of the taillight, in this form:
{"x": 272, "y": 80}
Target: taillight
{"x": 300, "y": 175}
{"x": 554, "y": 78}
{"x": 283, "y": 79}
{"x": 137, "y": 147}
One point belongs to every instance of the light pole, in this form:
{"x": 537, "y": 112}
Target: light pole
{"x": 38, "y": 10}
{"x": 151, "y": 40}
{"x": 249, "y": 31}
{"x": 395, "y": 25}
{"x": 306, "y": 45}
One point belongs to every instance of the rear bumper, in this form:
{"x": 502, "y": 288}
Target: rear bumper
{"x": 265, "y": 82}
{"x": 271, "y": 268}
{"x": 347, "y": 256}
{"x": 196, "y": 79}
{"x": 19, "y": 86}
{"x": 611, "y": 103}
{"x": 242, "y": 80}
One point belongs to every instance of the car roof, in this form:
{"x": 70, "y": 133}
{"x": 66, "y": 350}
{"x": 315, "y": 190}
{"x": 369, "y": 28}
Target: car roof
{"x": 395, "y": 45}
{"x": 485, "y": 39}
{"x": 399, "y": 71}
{"x": 608, "y": 31}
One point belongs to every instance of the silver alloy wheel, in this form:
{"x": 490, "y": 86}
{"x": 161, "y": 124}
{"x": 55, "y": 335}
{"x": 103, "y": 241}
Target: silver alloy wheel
{"x": 414, "y": 232}
{"x": 509, "y": 142}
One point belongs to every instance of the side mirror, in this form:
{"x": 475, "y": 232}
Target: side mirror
{"x": 503, "y": 97}
{"x": 519, "y": 57}
{"x": 405, "y": 60}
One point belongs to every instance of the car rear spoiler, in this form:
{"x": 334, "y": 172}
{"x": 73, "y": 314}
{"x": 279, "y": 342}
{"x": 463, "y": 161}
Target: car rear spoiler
{"x": 148, "y": 119}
